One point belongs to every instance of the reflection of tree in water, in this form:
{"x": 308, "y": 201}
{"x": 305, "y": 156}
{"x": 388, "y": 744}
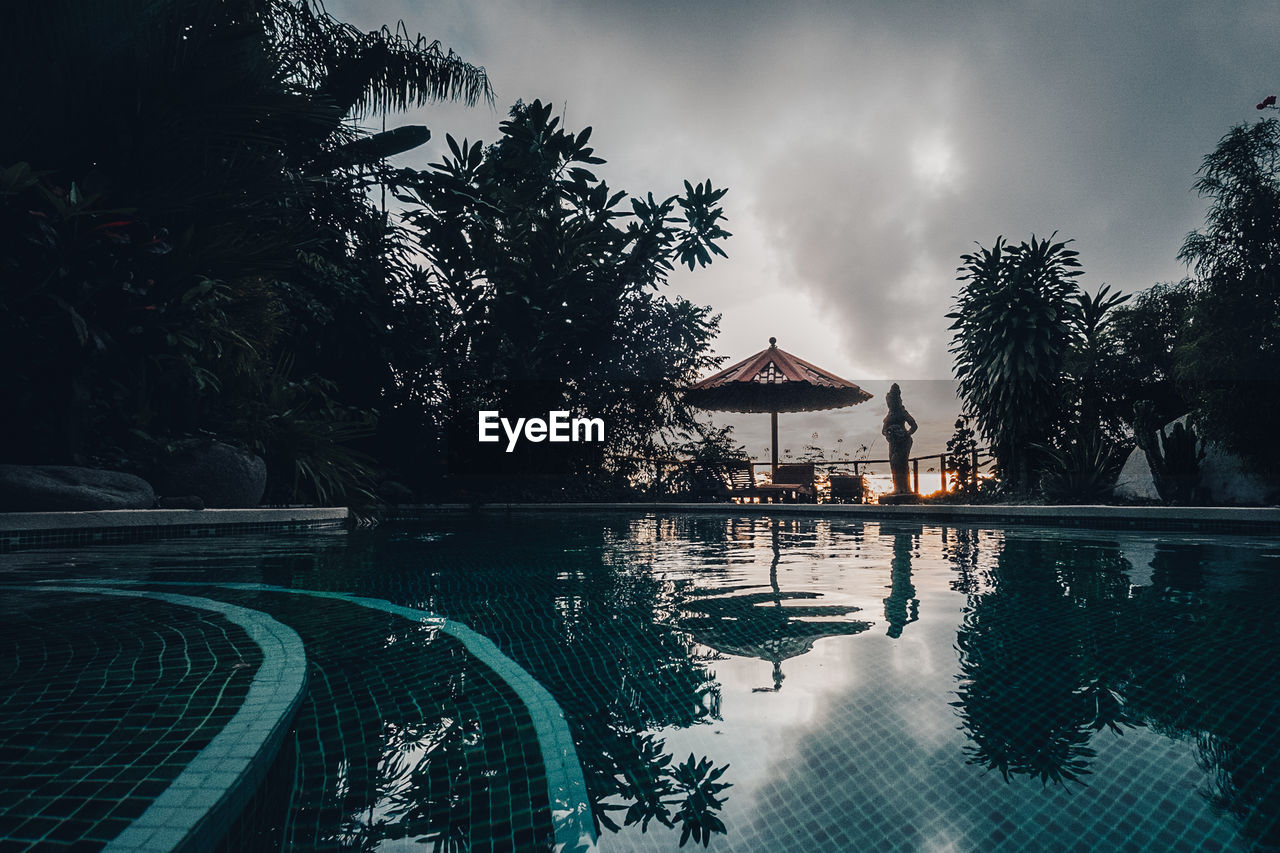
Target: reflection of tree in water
{"x": 622, "y": 652}
{"x": 429, "y": 776}
{"x": 622, "y": 760}
{"x": 581, "y": 609}
{"x": 401, "y": 736}
{"x": 1211, "y": 674}
{"x": 644, "y": 675}
{"x": 1036, "y": 676}
{"x": 1055, "y": 648}
{"x": 626, "y": 659}
{"x": 963, "y": 549}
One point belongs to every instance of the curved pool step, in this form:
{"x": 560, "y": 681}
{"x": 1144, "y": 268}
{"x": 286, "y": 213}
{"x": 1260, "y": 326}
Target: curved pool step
{"x": 361, "y": 678}
{"x": 155, "y": 740}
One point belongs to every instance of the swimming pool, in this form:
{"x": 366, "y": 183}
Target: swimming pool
{"x": 630, "y": 682}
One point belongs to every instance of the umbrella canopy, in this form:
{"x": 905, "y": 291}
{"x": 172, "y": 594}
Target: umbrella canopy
{"x": 774, "y": 380}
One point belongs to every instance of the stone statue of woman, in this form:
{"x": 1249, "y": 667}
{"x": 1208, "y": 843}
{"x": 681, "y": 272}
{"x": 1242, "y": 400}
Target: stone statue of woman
{"x": 897, "y": 430}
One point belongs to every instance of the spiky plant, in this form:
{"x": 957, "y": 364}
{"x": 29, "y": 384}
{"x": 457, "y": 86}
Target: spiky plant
{"x": 1014, "y": 324}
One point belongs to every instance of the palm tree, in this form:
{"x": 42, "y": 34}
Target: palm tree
{"x": 216, "y": 131}
{"x": 1014, "y": 324}
{"x": 1094, "y": 365}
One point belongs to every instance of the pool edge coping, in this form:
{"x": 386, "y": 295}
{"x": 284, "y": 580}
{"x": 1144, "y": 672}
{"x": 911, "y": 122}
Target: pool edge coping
{"x": 21, "y": 531}
{"x": 31, "y": 530}
{"x": 1252, "y": 520}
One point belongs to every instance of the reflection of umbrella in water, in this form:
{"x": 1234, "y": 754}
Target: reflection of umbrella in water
{"x": 773, "y": 381}
{"x": 740, "y": 623}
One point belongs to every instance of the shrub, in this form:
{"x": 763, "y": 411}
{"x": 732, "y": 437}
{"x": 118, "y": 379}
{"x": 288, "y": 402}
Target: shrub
{"x": 1083, "y": 470}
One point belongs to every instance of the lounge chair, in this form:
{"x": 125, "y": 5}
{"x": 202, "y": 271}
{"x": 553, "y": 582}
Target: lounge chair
{"x": 795, "y": 481}
{"x": 741, "y": 480}
{"x": 847, "y": 488}
{"x": 792, "y": 483}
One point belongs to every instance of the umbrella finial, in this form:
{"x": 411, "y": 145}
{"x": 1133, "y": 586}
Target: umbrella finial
{"x": 773, "y": 342}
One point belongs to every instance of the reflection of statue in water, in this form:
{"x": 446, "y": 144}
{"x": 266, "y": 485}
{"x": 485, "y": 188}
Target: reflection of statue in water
{"x": 897, "y": 429}
{"x": 901, "y": 607}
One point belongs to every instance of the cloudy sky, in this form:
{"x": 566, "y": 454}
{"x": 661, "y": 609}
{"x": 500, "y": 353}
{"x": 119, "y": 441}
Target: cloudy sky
{"x": 868, "y": 145}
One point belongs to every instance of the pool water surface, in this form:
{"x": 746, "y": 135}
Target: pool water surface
{"x": 639, "y": 682}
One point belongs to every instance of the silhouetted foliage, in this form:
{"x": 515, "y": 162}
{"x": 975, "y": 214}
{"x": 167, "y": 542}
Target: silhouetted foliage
{"x": 702, "y": 454}
{"x": 962, "y": 448}
{"x": 1147, "y": 331}
{"x": 545, "y": 296}
{"x": 1014, "y": 326}
{"x": 1039, "y": 369}
{"x": 191, "y": 248}
{"x": 1083, "y": 468}
{"x": 1175, "y": 455}
{"x": 1094, "y": 371}
{"x": 185, "y": 207}
{"x": 1230, "y": 348}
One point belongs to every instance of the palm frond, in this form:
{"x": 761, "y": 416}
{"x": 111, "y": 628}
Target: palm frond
{"x": 358, "y": 73}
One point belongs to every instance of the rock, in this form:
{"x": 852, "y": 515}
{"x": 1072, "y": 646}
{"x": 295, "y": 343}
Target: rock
{"x": 1227, "y": 480}
{"x": 222, "y": 476}
{"x": 1135, "y": 481}
{"x": 67, "y": 488}
{"x": 1224, "y": 478}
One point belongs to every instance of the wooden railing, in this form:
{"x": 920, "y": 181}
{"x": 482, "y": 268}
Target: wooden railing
{"x": 976, "y": 459}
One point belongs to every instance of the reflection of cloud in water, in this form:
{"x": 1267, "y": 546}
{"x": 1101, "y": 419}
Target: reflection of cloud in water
{"x": 912, "y": 654}
{"x": 862, "y": 742}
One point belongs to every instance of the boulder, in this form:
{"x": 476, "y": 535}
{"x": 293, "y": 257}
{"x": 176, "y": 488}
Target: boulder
{"x": 67, "y": 488}
{"x": 222, "y": 476}
{"x": 181, "y": 502}
{"x": 1135, "y": 481}
{"x": 1228, "y": 480}
{"x": 1224, "y": 478}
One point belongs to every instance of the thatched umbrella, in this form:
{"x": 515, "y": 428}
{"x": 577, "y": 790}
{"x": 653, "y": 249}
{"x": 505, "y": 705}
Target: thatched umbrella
{"x": 773, "y": 381}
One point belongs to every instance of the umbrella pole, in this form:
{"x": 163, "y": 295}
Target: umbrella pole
{"x": 773, "y": 443}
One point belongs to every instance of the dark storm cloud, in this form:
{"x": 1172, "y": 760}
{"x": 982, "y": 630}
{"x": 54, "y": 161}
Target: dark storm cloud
{"x": 868, "y": 145}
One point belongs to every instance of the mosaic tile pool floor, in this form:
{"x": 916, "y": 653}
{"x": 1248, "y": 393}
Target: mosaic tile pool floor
{"x": 401, "y": 736}
{"x": 102, "y": 706}
{"x": 744, "y": 683}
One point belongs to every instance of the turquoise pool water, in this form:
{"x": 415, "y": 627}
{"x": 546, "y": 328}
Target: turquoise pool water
{"x": 745, "y": 682}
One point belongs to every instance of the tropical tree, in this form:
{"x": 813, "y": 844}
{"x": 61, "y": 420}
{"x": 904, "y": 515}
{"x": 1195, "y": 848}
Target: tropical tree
{"x": 546, "y": 294}
{"x": 1015, "y": 321}
{"x": 184, "y": 206}
{"x": 1146, "y": 333}
{"x": 962, "y": 447}
{"x": 1093, "y": 366}
{"x": 1230, "y": 348}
